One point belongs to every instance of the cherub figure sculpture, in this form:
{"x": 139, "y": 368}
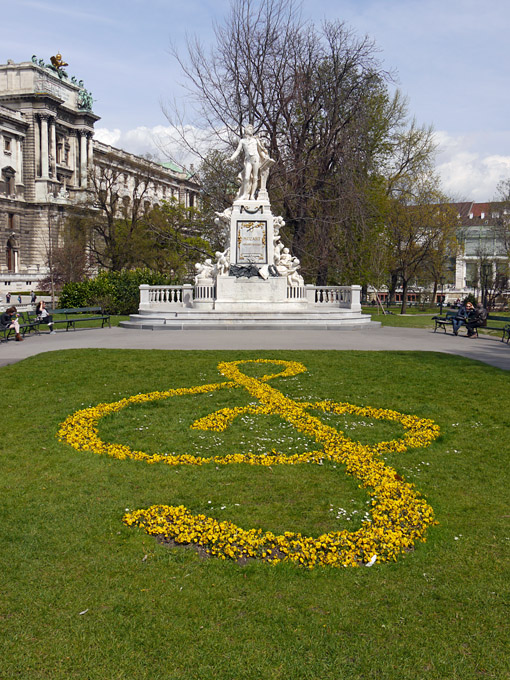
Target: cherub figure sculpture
{"x": 222, "y": 262}
{"x": 204, "y": 270}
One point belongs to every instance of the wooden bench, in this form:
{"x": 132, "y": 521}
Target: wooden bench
{"x": 26, "y": 325}
{"x": 30, "y": 322}
{"x": 72, "y": 315}
{"x": 504, "y": 330}
{"x": 444, "y": 321}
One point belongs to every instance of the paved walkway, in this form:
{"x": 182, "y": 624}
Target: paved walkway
{"x": 485, "y": 348}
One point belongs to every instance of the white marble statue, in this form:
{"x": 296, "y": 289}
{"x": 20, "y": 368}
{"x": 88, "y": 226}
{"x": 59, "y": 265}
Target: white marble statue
{"x": 265, "y": 167}
{"x": 256, "y": 164}
{"x": 222, "y": 262}
{"x": 204, "y": 270}
{"x": 222, "y": 219}
{"x": 289, "y": 266}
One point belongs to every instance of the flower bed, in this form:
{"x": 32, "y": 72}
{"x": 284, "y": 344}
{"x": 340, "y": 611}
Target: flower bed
{"x": 399, "y": 515}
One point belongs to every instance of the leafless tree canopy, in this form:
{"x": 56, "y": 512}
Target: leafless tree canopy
{"x": 320, "y": 97}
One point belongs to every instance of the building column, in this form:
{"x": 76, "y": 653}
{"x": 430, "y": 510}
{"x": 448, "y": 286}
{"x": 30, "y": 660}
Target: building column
{"x": 19, "y": 159}
{"x": 90, "y": 154}
{"x": 37, "y": 146}
{"x": 460, "y": 273}
{"x": 73, "y": 156}
{"x": 53, "y": 131}
{"x": 83, "y": 159}
{"x": 44, "y": 146}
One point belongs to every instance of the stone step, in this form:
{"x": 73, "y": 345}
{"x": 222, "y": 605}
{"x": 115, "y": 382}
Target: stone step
{"x": 267, "y": 323}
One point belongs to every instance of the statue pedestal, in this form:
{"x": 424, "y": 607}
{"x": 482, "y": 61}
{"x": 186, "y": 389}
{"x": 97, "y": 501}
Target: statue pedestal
{"x": 255, "y": 295}
{"x": 251, "y": 233}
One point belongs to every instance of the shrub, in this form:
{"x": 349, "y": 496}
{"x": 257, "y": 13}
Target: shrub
{"x": 115, "y": 292}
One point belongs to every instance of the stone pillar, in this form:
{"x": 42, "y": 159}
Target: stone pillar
{"x": 53, "y": 132}
{"x": 144, "y": 294}
{"x": 83, "y": 159}
{"x": 37, "y": 147}
{"x": 460, "y": 273}
{"x": 187, "y": 295}
{"x": 355, "y": 298}
{"x": 90, "y": 154}
{"x": 73, "y": 157}
{"x": 44, "y": 146}
{"x": 19, "y": 158}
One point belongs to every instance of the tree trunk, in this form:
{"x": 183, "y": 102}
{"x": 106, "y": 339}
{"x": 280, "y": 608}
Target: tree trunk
{"x": 404, "y": 296}
{"x": 393, "y": 287}
{"x": 322, "y": 275}
{"x": 434, "y": 293}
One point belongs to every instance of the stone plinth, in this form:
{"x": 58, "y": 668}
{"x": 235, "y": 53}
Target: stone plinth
{"x": 251, "y": 233}
{"x": 255, "y": 295}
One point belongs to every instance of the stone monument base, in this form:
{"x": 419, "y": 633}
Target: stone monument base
{"x": 249, "y": 304}
{"x": 255, "y": 295}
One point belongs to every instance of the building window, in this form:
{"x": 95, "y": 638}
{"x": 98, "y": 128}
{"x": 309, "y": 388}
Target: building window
{"x": 8, "y": 178}
{"x": 60, "y": 150}
{"x": 11, "y": 256}
{"x": 7, "y": 144}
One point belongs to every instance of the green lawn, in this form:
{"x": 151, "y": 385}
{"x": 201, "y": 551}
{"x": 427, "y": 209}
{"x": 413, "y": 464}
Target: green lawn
{"x": 84, "y": 596}
{"x": 421, "y": 319}
{"x": 115, "y": 319}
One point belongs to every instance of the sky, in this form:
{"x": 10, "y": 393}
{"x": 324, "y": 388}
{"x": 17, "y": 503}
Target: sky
{"x": 451, "y": 58}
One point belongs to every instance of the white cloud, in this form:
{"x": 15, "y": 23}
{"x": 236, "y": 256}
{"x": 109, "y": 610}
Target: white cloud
{"x": 162, "y": 142}
{"x": 466, "y": 172}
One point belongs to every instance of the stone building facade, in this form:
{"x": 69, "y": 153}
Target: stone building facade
{"x": 47, "y": 155}
{"x": 483, "y": 244}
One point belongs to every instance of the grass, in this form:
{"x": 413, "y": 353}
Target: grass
{"x": 84, "y": 596}
{"x": 422, "y": 319}
{"x": 115, "y": 319}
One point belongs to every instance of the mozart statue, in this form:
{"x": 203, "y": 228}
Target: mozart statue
{"x": 256, "y": 164}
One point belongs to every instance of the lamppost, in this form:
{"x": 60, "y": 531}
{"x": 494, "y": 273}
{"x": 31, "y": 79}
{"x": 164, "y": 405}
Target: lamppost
{"x": 441, "y": 280}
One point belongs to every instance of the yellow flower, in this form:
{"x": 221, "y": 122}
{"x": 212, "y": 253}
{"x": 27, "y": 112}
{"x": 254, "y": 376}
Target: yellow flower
{"x": 399, "y": 515}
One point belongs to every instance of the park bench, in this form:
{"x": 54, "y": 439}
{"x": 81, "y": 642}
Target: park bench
{"x": 492, "y": 319}
{"x": 30, "y": 322}
{"x": 73, "y": 315}
{"x": 443, "y": 321}
{"x": 26, "y": 325}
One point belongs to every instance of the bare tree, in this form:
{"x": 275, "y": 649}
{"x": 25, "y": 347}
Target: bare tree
{"x": 320, "y": 97}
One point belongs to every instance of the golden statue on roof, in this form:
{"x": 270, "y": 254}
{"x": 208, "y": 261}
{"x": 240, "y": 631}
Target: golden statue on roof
{"x": 57, "y": 61}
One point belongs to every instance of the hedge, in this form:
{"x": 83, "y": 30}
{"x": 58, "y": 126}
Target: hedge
{"x": 115, "y": 292}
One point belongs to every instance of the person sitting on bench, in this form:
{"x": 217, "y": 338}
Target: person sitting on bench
{"x": 464, "y": 314}
{"x": 9, "y": 319}
{"x": 43, "y": 315}
{"x": 478, "y": 320}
